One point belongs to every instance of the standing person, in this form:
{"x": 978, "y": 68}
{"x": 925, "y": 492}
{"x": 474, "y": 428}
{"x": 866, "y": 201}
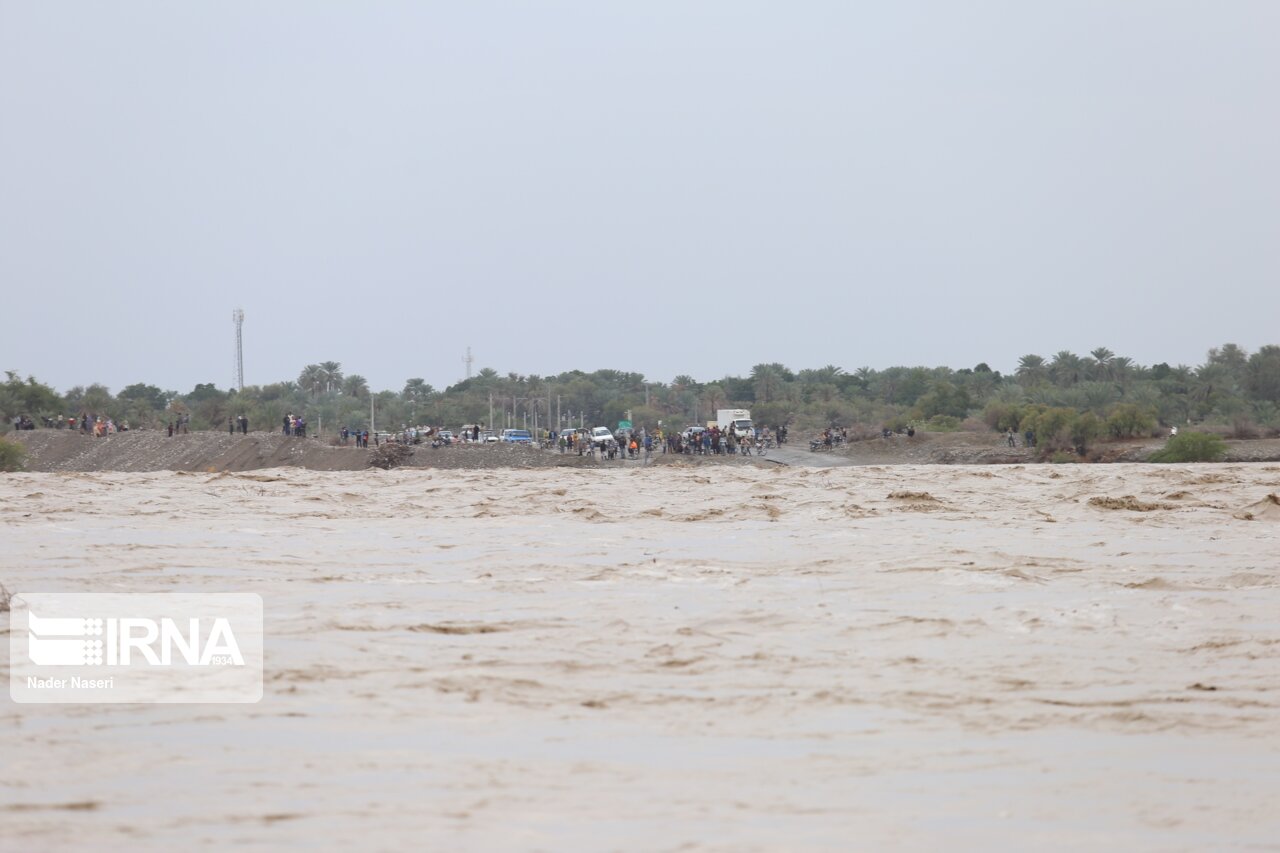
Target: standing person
{"x": 285, "y": 422}
{"x": 170, "y": 429}
{"x": 231, "y": 425}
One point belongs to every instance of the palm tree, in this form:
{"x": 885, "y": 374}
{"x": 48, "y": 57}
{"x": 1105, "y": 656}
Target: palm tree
{"x": 714, "y": 397}
{"x": 1263, "y": 378}
{"x": 1102, "y": 359}
{"x": 1065, "y": 368}
{"x": 1098, "y": 396}
{"x": 416, "y": 391}
{"x": 1031, "y": 370}
{"x": 768, "y": 382}
{"x": 311, "y": 379}
{"x": 823, "y": 392}
{"x": 332, "y": 372}
{"x": 356, "y": 386}
{"x": 1122, "y": 370}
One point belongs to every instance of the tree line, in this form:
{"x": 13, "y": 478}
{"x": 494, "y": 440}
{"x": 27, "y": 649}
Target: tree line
{"x": 1066, "y": 397}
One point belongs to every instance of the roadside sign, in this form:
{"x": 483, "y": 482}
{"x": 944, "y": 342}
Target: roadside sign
{"x": 624, "y": 424}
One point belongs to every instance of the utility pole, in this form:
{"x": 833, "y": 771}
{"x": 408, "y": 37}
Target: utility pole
{"x": 237, "y": 317}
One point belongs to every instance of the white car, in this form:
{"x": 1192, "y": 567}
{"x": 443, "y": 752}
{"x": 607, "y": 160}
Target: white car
{"x": 601, "y": 436}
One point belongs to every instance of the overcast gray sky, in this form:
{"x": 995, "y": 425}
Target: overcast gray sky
{"x": 660, "y": 187}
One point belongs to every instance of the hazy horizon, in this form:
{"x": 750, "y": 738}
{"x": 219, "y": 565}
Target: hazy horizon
{"x": 666, "y": 189}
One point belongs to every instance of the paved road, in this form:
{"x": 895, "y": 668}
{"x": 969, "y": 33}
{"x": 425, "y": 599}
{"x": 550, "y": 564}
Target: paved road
{"x": 799, "y": 455}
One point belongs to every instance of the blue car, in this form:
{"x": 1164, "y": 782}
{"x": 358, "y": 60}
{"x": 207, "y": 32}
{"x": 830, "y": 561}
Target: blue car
{"x": 517, "y": 436}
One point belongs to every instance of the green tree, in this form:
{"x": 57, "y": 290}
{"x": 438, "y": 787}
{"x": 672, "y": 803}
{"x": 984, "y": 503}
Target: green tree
{"x": 148, "y": 395}
{"x": 943, "y": 398}
{"x": 714, "y": 398}
{"x": 32, "y": 398}
{"x": 1263, "y": 374}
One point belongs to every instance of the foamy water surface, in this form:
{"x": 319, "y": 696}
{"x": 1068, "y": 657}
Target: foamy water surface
{"x": 700, "y": 658}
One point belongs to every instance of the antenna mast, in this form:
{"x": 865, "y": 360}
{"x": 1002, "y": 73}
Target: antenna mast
{"x": 468, "y": 361}
{"x": 237, "y": 317}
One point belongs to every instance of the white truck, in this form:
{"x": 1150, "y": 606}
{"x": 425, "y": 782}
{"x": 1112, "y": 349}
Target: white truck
{"x": 739, "y": 419}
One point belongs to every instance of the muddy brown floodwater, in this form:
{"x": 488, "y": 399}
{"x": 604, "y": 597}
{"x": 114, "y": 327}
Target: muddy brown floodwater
{"x": 709, "y": 658}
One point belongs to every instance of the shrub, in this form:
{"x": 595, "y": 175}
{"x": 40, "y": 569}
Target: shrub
{"x": 899, "y": 423}
{"x": 943, "y": 423}
{"x": 1060, "y": 457}
{"x": 1191, "y": 447}
{"x": 1052, "y": 427}
{"x": 1127, "y": 420}
{"x": 11, "y": 455}
{"x": 1243, "y": 427}
{"x": 1086, "y": 429}
{"x": 1002, "y": 416}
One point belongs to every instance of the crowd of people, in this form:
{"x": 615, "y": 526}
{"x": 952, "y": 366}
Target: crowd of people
{"x": 88, "y": 423}
{"x": 294, "y": 425}
{"x": 714, "y": 441}
{"x": 633, "y": 444}
{"x": 361, "y": 437}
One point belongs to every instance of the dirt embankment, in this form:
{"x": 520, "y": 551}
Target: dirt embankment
{"x": 59, "y": 450}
